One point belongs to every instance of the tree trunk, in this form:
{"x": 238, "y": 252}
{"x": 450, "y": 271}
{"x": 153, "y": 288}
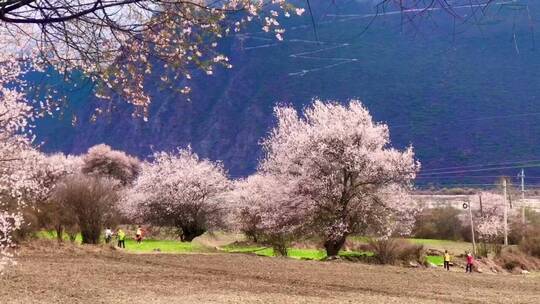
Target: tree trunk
{"x": 91, "y": 235}
{"x": 279, "y": 244}
{"x": 333, "y": 246}
{"x": 190, "y": 232}
{"x": 72, "y": 237}
{"x": 280, "y": 249}
{"x": 59, "y": 233}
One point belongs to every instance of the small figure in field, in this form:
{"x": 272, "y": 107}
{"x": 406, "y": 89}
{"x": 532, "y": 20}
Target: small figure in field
{"x": 470, "y": 261}
{"x": 446, "y": 260}
{"x": 108, "y": 235}
{"x": 121, "y": 238}
{"x": 139, "y": 235}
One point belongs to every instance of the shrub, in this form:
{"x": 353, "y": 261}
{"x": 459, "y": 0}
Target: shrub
{"x": 511, "y": 264}
{"x": 458, "y": 191}
{"x": 390, "y": 251}
{"x": 91, "y": 200}
{"x": 511, "y": 258}
{"x": 530, "y": 243}
{"x": 249, "y": 222}
{"x": 279, "y": 243}
{"x": 438, "y": 223}
{"x": 28, "y": 227}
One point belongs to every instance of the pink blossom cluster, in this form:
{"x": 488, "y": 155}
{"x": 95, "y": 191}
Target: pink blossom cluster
{"x": 265, "y": 204}
{"x": 118, "y": 43}
{"x": 25, "y": 173}
{"x": 489, "y": 220}
{"x": 17, "y": 157}
{"x": 8, "y": 223}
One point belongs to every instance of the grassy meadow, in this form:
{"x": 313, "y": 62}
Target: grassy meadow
{"x": 233, "y": 244}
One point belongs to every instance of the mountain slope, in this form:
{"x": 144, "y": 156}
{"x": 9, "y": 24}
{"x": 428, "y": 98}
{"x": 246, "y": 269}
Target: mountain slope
{"x": 460, "y": 97}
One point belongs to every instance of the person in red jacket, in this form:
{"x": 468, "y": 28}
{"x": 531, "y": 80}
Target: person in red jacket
{"x": 470, "y": 262}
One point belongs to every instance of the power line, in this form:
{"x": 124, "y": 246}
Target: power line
{"x": 461, "y": 176}
{"x": 479, "y": 170}
{"x": 465, "y": 184}
{"x": 453, "y": 122}
{"x": 524, "y": 162}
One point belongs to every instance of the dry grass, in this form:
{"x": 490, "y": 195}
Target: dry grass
{"x": 90, "y": 275}
{"x": 513, "y": 259}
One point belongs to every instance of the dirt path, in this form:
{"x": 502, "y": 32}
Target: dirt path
{"x": 113, "y": 277}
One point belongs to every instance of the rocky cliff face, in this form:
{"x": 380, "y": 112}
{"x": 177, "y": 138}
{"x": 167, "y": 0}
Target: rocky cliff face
{"x": 463, "y": 99}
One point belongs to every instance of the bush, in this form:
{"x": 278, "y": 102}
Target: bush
{"x": 531, "y": 242}
{"x": 249, "y": 222}
{"x": 511, "y": 258}
{"x": 438, "y": 223}
{"x": 390, "y": 251}
{"x": 91, "y": 199}
{"x": 28, "y": 227}
{"x": 458, "y": 191}
{"x": 279, "y": 244}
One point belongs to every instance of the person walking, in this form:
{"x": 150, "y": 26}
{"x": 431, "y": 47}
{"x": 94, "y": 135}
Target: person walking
{"x": 108, "y": 235}
{"x": 121, "y": 238}
{"x": 470, "y": 262}
{"x": 446, "y": 260}
{"x": 139, "y": 235}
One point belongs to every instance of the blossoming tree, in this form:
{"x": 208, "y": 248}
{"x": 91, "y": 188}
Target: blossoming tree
{"x": 102, "y": 160}
{"x": 179, "y": 190}
{"x": 49, "y": 173}
{"x": 489, "y": 221}
{"x": 267, "y": 210}
{"x": 341, "y": 161}
{"x": 17, "y": 157}
{"x": 116, "y": 42}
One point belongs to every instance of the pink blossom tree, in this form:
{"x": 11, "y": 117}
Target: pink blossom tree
{"x": 117, "y": 43}
{"x": 341, "y": 162}
{"x": 268, "y": 211}
{"x": 179, "y": 190}
{"x": 17, "y": 157}
{"x": 102, "y": 160}
{"x": 488, "y": 220}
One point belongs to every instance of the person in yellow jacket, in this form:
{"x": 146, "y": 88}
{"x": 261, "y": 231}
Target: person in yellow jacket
{"x": 446, "y": 257}
{"x": 121, "y": 238}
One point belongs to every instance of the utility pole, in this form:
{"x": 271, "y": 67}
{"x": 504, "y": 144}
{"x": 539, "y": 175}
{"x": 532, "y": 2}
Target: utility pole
{"x": 505, "y": 213}
{"x": 522, "y": 176}
{"x": 480, "y": 200}
{"x": 472, "y": 226}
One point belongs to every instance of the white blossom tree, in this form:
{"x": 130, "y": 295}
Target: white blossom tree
{"x": 341, "y": 161}
{"x": 180, "y": 190}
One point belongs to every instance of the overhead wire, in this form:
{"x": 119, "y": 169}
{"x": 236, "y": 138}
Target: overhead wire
{"x": 481, "y": 165}
{"x": 479, "y": 170}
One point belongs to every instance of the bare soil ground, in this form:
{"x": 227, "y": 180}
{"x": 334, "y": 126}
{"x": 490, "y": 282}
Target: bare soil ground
{"x": 74, "y": 275}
